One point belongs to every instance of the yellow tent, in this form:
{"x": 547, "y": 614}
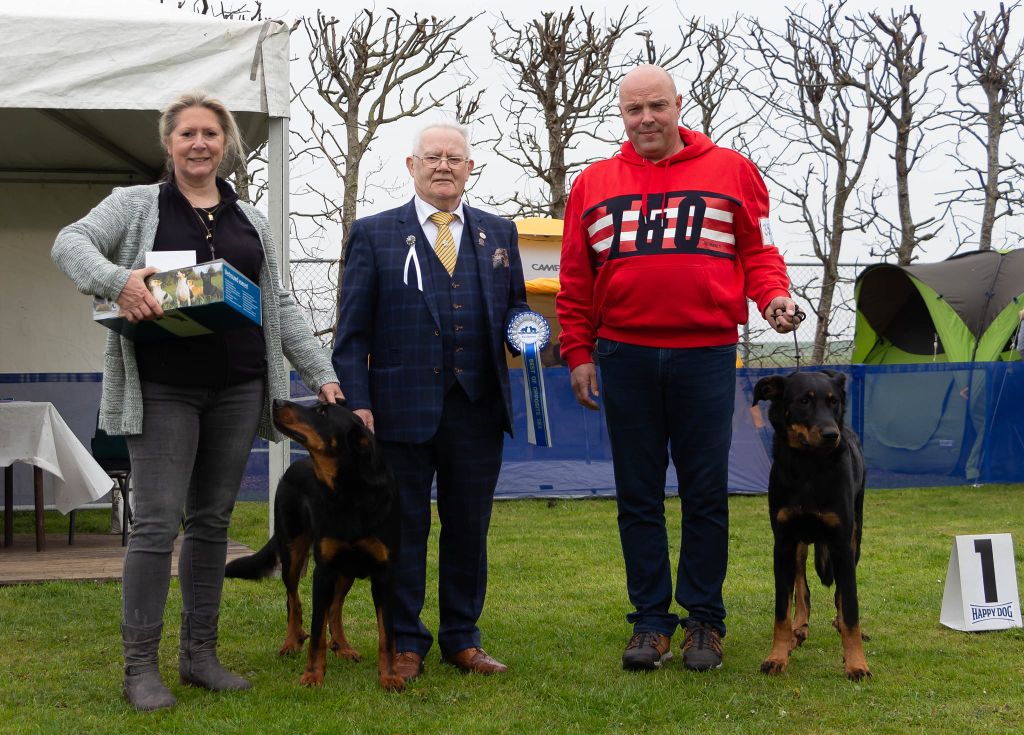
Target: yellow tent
{"x": 540, "y": 247}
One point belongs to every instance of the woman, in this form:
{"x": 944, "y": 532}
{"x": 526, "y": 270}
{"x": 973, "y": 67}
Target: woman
{"x": 189, "y": 407}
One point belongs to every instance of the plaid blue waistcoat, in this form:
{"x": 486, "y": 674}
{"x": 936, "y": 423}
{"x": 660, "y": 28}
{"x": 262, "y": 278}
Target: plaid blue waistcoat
{"x": 464, "y": 336}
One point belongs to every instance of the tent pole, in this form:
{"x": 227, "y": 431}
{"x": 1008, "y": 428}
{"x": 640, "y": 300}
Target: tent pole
{"x": 277, "y": 168}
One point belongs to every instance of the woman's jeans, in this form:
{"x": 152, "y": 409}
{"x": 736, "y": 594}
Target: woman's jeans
{"x": 657, "y": 400}
{"x": 187, "y": 466}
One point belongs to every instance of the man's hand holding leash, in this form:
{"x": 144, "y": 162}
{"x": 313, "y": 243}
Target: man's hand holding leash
{"x": 783, "y": 314}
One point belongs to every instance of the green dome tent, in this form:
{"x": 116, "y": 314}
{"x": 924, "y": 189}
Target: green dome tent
{"x": 964, "y": 309}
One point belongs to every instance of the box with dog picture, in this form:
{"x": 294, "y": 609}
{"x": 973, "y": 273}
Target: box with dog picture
{"x": 197, "y": 299}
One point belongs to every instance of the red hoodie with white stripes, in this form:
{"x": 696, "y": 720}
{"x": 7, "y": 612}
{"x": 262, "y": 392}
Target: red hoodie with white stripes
{"x": 665, "y": 254}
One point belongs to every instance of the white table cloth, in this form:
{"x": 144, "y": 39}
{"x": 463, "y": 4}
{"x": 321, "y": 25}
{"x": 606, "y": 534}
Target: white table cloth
{"x": 34, "y": 433}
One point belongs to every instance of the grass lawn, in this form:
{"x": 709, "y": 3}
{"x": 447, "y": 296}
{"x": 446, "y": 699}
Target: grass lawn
{"x": 555, "y": 614}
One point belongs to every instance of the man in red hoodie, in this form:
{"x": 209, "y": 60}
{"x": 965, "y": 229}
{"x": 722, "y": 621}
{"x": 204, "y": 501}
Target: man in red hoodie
{"x": 663, "y": 244}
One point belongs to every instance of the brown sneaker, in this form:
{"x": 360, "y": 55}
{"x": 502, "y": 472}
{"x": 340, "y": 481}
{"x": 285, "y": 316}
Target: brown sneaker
{"x": 646, "y": 651}
{"x": 702, "y": 647}
{"x": 408, "y": 665}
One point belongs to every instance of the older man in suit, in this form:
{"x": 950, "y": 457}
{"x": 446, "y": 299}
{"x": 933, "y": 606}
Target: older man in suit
{"x": 428, "y": 291}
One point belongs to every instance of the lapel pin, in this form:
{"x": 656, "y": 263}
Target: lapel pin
{"x": 483, "y": 238}
{"x": 411, "y": 240}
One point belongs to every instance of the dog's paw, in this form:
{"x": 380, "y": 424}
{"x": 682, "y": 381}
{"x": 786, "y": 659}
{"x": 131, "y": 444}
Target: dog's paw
{"x": 773, "y": 665}
{"x": 312, "y": 678}
{"x": 392, "y": 682}
{"x": 344, "y": 650}
{"x": 291, "y": 645}
{"x": 856, "y": 673}
{"x": 800, "y": 635}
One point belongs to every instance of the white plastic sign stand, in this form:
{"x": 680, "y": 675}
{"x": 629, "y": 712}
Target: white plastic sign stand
{"x": 981, "y": 585}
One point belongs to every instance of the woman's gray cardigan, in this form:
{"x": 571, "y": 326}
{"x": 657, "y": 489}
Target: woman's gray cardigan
{"x": 99, "y": 252}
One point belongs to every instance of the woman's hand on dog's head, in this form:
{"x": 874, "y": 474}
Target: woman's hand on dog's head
{"x": 330, "y": 393}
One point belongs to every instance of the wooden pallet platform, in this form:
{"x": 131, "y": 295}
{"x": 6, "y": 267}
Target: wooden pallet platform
{"x": 98, "y": 557}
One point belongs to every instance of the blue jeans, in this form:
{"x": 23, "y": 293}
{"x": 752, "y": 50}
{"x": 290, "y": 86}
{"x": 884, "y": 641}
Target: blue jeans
{"x": 656, "y": 399}
{"x": 188, "y": 462}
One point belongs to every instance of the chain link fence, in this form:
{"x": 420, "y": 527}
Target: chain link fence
{"x": 761, "y": 346}
{"x": 314, "y": 283}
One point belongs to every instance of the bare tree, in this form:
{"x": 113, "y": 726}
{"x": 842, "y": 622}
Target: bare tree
{"x": 709, "y": 56}
{"x": 378, "y": 69}
{"x": 565, "y": 75}
{"x": 990, "y": 63}
{"x": 899, "y": 87}
{"x": 229, "y": 11}
{"x": 828, "y": 124}
{"x": 373, "y": 72}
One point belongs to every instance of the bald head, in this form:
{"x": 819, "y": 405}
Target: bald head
{"x": 650, "y": 107}
{"x": 647, "y": 76}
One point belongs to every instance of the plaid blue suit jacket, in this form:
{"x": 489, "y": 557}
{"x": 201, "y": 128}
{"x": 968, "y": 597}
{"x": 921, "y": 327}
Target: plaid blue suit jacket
{"x": 388, "y": 350}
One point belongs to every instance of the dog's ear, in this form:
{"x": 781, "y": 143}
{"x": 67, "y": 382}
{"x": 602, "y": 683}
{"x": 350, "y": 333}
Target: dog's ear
{"x": 768, "y": 389}
{"x": 839, "y": 381}
{"x": 837, "y": 377}
{"x": 359, "y": 440}
{"x": 366, "y": 458}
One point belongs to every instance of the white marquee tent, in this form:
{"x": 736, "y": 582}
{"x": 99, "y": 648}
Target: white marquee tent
{"x": 82, "y": 85}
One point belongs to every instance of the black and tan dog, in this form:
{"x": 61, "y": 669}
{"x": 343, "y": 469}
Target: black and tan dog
{"x": 815, "y": 496}
{"x": 342, "y": 503}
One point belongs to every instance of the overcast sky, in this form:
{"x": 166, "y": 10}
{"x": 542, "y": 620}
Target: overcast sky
{"x": 944, "y": 22}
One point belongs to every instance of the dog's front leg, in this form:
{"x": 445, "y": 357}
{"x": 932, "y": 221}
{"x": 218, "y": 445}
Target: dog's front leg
{"x": 848, "y": 617}
{"x": 323, "y": 592}
{"x": 782, "y": 637}
{"x": 293, "y": 562}
{"x": 801, "y": 598}
{"x": 382, "y": 588}
{"x": 339, "y": 644}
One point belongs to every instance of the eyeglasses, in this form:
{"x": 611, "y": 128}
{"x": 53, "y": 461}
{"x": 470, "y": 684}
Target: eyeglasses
{"x": 435, "y": 161}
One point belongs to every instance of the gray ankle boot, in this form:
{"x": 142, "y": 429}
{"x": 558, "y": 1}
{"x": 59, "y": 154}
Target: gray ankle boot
{"x": 142, "y": 685}
{"x": 197, "y": 657}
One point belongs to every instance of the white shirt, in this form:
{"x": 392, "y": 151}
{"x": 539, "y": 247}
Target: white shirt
{"x": 423, "y": 212}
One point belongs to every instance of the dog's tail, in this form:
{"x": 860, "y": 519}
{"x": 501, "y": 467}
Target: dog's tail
{"x": 823, "y": 564}
{"x": 255, "y": 566}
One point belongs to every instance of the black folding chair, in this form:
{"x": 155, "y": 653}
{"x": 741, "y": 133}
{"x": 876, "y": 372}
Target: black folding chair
{"x": 111, "y": 453}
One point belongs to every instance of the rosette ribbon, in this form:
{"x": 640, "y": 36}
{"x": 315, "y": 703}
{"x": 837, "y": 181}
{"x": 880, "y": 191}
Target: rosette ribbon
{"x": 529, "y": 332}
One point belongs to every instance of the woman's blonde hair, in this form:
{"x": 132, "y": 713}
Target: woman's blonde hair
{"x": 233, "y": 150}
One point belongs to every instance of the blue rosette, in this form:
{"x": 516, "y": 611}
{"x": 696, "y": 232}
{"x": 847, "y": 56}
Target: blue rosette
{"x": 529, "y": 333}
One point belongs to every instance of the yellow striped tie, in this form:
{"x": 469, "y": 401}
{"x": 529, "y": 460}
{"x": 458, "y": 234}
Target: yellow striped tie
{"x": 444, "y": 246}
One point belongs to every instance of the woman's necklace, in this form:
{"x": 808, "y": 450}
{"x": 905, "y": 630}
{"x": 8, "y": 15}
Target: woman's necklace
{"x": 209, "y": 212}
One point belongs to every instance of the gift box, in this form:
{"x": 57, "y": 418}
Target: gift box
{"x": 199, "y": 299}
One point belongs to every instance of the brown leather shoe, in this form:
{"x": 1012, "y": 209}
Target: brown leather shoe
{"x": 476, "y": 661}
{"x": 408, "y": 665}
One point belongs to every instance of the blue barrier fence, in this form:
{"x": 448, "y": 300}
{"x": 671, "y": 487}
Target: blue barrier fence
{"x": 921, "y": 425}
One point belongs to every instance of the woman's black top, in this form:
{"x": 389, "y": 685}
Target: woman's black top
{"x": 223, "y": 358}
